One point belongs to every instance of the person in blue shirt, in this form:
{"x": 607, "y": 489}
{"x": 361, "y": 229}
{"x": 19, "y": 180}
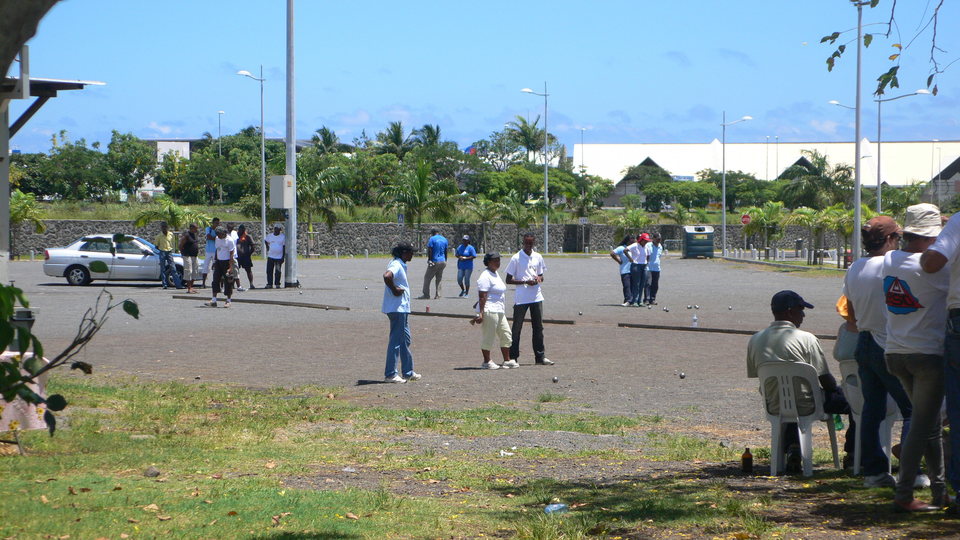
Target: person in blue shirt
{"x": 466, "y": 253}
{"x": 622, "y": 255}
{"x": 396, "y": 305}
{"x": 654, "y": 250}
{"x": 436, "y": 262}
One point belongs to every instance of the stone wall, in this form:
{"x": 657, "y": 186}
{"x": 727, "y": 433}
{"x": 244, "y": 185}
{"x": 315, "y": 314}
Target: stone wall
{"x": 378, "y": 238}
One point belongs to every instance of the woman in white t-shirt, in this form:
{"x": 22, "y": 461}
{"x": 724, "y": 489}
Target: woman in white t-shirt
{"x": 491, "y": 312}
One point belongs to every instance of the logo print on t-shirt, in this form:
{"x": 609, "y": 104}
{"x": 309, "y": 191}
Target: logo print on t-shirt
{"x": 900, "y": 300}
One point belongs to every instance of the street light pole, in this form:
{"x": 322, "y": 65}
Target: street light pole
{"x": 880, "y": 102}
{"x": 582, "y": 168}
{"x": 855, "y": 248}
{"x": 546, "y": 176}
{"x": 290, "y": 272}
{"x": 219, "y": 133}
{"x": 723, "y": 183}
{"x": 263, "y": 158}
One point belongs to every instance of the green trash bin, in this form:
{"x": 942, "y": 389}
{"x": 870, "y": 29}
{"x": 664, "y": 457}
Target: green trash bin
{"x": 697, "y": 242}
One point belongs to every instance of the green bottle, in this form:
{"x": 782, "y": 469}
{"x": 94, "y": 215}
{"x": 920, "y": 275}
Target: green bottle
{"x": 837, "y": 422}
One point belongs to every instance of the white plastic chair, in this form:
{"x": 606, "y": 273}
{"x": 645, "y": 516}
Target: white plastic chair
{"x": 853, "y": 391}
{"x": 790, "y": 378}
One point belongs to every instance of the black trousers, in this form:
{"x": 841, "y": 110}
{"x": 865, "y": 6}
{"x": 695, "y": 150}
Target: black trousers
{"x": 652, "y": 286}
{"x": 273, "y": 271}
{"x": 536, "y": 321}
{"x": 220, "y": 269}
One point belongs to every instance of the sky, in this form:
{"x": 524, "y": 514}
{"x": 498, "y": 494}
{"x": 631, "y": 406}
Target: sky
{"x": 616, "y": 71}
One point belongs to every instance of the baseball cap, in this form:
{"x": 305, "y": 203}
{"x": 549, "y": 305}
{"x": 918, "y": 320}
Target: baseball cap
{"x": 644, "y": 236}
{"x": 784, "y": 300}
{"x": 923, "y": 220}
{"x": 466, "y": 237}
{"x": 877, "y": 229}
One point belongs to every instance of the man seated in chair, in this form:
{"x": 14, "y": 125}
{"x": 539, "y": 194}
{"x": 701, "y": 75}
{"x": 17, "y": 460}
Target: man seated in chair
{"x": 783, "y": 341}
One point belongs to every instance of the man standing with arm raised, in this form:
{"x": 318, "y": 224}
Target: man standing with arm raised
{"x": 525, "y": 270}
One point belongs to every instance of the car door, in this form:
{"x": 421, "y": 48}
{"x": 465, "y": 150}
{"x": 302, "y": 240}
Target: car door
{"x": 96, "y": 249}
{"x": 133, "y": 263}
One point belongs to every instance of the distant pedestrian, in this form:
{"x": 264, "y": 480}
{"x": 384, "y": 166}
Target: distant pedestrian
{"x": 210, "y": 235}
{"x": 189, "y": 250}
{"x": 436, "y": 261}
{"x": 276, "y": 242}
{"x": 651, "y": 285}
{"x": 396, "y": 305}
{"x": 622, "y": 255}
{"x": 244, "y": 255}
{"x": 525, "y": 270}
{"x": 166, "y": 244}
{"x": 492, "y": 313}
{"x": 224, "y": 267}
{"x": 638, "y": 268}
{"x": 466, "y": 253}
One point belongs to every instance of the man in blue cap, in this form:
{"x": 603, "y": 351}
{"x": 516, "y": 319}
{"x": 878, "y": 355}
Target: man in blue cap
{"x": 783, "y": 341}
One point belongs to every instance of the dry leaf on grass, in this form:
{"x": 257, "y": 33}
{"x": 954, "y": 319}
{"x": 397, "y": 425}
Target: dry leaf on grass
{"x": 71, "y": 491}
{"x": 164, "y": 518}
{"x": 117, "y": 488}
{"x": 270, "y": 464}
{"x": 43, "y": 499}
{"x": 151, "y": 508}
{"x": 276, "y": 519}
{"x": 214, "y": 522}
{"x": 131, "y": 520}
{"x": 124, "y": 535}
{"x": 232, "y": 513}
{"x": 207, "y": 501}
{"x": 351, "y": 515}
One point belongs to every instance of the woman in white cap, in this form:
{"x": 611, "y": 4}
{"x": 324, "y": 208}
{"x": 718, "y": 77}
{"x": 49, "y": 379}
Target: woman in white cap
{"x": 492, "y": 313}
{"x": 466, "y": 253}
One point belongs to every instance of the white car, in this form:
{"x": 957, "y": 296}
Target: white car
{"x": 135, "y": 259}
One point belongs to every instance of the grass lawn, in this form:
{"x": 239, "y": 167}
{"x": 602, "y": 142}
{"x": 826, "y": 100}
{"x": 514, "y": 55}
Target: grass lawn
{"x": 231, "y": 462}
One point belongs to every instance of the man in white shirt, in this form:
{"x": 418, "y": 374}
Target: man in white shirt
{"x": 224, "y": 266}
{"x": 916, "y": 319}
{"x": 942, "y": 253}
{"x": 863, "y": 287}
{"x": 276, "y": 241}
{"x": 638, "y": 268}
{"x": 525, "y": 270}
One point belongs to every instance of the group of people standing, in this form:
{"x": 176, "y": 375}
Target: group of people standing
{"x": 639, "y": 260}
{"x": 525, "y": 270}
{"x": 902, "y": 301}
{"x": 226, "y": 251}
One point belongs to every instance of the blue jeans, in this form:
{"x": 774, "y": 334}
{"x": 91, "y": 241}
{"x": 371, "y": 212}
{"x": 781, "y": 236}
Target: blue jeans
{"x": 652, "y": 285}
{"x": 625, "y": 280}
{"x": 952, "y": 387}
{"x": 875, "y": 383}
{"x": 637, "y": 275}
{"x": 399, "y": 345}
{"x": 166, "y": 268}
{"x": 463, "y": 278}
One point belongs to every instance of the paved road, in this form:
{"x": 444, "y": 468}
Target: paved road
{"x": 601, "y": 367}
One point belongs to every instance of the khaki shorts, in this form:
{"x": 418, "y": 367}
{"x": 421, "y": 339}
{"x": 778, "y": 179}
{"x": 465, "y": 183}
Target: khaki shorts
{"x": 495, "y": 326}
{"x": 191, "y": 270}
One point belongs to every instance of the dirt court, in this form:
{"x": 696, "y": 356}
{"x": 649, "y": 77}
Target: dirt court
{"x": 600, "y": 367}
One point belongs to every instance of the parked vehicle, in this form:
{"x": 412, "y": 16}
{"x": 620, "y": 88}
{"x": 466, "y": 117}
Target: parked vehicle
{"x": 134, "y": 259}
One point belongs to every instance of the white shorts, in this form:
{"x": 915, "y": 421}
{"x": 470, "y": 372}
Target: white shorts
{"x": 208, "y": 262}
{"x": 495, "y": 327}
{"x": 191, "y": 269}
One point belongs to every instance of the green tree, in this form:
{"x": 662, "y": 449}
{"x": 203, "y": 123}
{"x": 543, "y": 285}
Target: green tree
{"x": 487, "y": 212}
{"x": 896, "y": 200}
{"x": 527, "y": 135}
{"x": 518, "y": 210}
{"x": 631, "y": 221}
{"x": 679, "y": 215}
{"x": 393, "y": 141}
{"x": 695, "y": 194}
{"x": 322, "y": 194}
{"x": 428, "y": 135}
{"x": 766, "y": 220}
{"x": 808, "y": 218}
{"x": 75, "y": 172}
{"x": 417, "y": 193}
{"x": 131, "y": 160}
{"x": 165, "y": 209}
{"x": 326, "y": 141}
{"x": 24, "y": 209}
{"x": 658, "y": 195}
{"x": 643, "y": 175}
{"x": 500, "y": 150}
{"x": 817, "y": 185}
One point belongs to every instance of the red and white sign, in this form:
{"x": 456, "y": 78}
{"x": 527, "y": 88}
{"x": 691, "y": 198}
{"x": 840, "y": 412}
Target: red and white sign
{"x": 745, "y": 219}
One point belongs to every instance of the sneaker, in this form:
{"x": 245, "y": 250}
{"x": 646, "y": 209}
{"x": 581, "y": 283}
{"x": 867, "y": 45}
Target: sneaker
{"x": 395, "y": 379}
{"x": 510, "y": 364}
{"x": 240, "y": 289}
{"x": 544, "y": 362}
{"x": 268, "y": 286}
{"x": 423, "y": 297}
{"x": 252, "y": 287}
{"x": 226, "y": 304}
{"x": 414, "y": 376}
{"x": 653, "y": 302}
{"x": 921, "y": 481}
{"x": 879, "y": 480}
{"x": 625, "y": 304}
{"x": 490, "y": 365}
{"x": 211, "y": 303}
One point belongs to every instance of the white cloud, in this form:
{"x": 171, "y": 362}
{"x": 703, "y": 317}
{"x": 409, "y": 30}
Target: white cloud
{"x": 159, "y": 128}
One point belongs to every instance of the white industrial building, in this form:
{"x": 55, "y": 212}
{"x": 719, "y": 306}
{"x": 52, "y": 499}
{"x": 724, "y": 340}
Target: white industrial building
{"x": 901, "y": 162}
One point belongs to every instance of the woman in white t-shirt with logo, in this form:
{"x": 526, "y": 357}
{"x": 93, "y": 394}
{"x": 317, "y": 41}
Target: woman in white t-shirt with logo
{"x": 491, "y": 312}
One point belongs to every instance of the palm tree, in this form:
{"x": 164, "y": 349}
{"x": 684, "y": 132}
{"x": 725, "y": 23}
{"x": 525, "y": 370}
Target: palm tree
{"x": 679, "y": 215}
{"x": 427, "y": 135}
{"x": 839, "y": 219}
{"x": 807, "y": 217}
{"x": 516, "y": 210}
{"x": 766, "y": 220}
{"x": 527, "y": 135}
{"x": 393, "y": 141}
{"x": 818, "y": 185}
{"x": 176, "y": 216}
{"x": 631, "y": 221}
{"x": 585, "y": 203}
{"x": 486, "y": 211}
{"x": 898, "y": 199}
{"x": 322, "y": 195}
{"x": 326, "y": 141}
{"x": 418, "y": 192}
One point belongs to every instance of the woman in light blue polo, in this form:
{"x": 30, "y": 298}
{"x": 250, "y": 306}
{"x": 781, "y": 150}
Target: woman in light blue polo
{"x": 622, "y": 256}
{"x": 654, "y": 250}
{"x": 396, "y": 304}
{"x": 466, "y": 253}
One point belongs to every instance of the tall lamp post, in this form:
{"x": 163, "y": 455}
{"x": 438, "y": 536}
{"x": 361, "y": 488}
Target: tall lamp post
{"x": 546, "y": 163}
{"x": 219, "y": 132}
{"x": 582, "y": 168}
{"x": 723, "y": 183}
{"x": 263, "y": 157}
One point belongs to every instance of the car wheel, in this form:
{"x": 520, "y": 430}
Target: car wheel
{"x": 77, "y": 275}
